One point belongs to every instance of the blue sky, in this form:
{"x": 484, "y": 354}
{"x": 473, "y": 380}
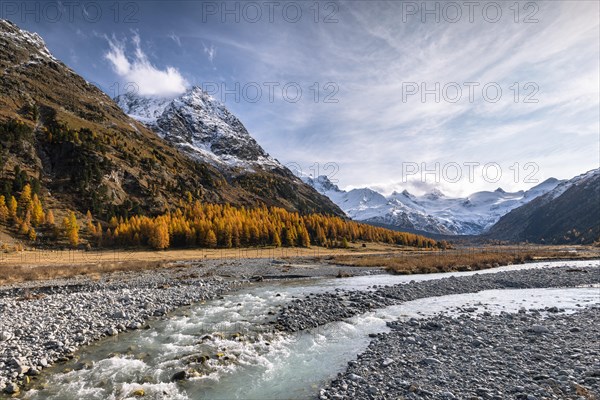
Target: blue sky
{"x": 389, "y": 89}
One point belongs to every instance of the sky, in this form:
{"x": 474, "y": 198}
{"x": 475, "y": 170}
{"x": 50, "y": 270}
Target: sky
{"x": 460, "y": 96}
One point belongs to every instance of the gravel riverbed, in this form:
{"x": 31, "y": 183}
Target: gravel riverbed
{"x": 46, "y": 322}
{"x": 319, "y": 309}
{"x": 45, "y": 325}
{"x": 529, "y": 355}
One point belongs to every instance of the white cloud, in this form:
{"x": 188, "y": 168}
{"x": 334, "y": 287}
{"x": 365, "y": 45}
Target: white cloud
{"x": 150, "y": 80}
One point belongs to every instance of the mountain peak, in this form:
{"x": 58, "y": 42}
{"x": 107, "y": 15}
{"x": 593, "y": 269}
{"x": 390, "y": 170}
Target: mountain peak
{"x": 199, "y": 91}
{"x": 322, "y": 184}
{"x": 550, "y": 181}
{"x": 200, "y": 125}
{"x": 26, "y": 40}
{"x": 434, "y": 194}
{"x": 404, "y": 193}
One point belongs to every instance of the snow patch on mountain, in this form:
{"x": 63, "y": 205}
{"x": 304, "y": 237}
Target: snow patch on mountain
{"x": 432, "y": 212}
{"x": 143, "y": 109}
{"x": 200, "y": 125}
{"x": 582, "y": 179}
{"x": 24, "y": 39}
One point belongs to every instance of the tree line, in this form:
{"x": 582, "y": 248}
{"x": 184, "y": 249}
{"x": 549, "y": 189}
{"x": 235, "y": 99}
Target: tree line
{"x": 197, "y": 224}
{"x": 222, "y": 225}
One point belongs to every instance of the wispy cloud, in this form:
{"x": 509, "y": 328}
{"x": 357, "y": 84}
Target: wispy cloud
{"x": 175, "y": 38}
{"x": 137, "y": 69}
{"x": 210, "y": 52}
{"x": 371, "y": 54}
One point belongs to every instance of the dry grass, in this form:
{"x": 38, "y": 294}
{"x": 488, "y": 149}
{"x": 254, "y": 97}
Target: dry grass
{"x": 43, "y": 265}
{"x": 53, "y": 264}
{"x": 447, "y": 261}
{"x": 21, "y": 273}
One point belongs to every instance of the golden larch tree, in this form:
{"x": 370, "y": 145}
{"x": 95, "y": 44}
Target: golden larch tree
{"x": 50, "y": 218}
{"x": 71, "y": 229}
{"x": 12, "y": 208}
{"x": 159, "y": 238}
{"x": 3, "y": 209}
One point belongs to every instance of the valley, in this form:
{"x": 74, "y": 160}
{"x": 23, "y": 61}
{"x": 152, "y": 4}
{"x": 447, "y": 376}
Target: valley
{"x": 154, "y": 246}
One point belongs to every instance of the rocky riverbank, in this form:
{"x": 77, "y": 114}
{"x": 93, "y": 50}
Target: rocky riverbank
{"x": 534, "y": 354}
{"x": 43, "y": 322}
{"x": 46, "y": 325}
{"x": 319, "y": 309}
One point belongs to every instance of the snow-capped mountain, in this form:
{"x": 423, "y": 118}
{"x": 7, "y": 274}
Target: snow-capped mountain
{"x": 432, "y": 212}
{"x": 200, "y": 125}
{"x": 205, "y": 131}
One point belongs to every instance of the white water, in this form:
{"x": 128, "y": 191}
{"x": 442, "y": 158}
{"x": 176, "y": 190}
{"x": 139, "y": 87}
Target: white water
{"x": 263, "y": 364}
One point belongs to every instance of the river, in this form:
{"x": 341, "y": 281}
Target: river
{"x": 247, "y": 359}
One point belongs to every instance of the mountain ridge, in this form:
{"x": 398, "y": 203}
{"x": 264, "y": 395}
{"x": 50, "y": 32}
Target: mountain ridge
{"x": 570, "y": 213}
{"x": 201, "y": 126}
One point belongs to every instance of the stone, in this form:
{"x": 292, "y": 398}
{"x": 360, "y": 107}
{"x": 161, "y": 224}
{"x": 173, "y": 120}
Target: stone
{"x": 355, "y": 378}
{"x": 112, "y": 331}
{"x": 12, "y": 388}
{"x": 134, "y": 325}
{"x": 540, "y": 329}
{"x": 430, "y": 361}
{"x": 386, "y": 362}
{"x": 448, "y": 395}
{"x": 179, "y": 376}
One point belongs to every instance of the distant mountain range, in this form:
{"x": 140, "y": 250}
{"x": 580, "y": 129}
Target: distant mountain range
{"x": 433, "y": 212}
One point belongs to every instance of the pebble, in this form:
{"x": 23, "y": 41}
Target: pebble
{"x": 386, "y": 362}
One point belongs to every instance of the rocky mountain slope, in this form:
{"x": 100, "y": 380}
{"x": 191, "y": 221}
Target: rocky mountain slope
{"x": 570, "y": 213}
{"x": 433, "y": 212}
{"x": 201, "y": 126}
{"x": 81, "y": 151}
